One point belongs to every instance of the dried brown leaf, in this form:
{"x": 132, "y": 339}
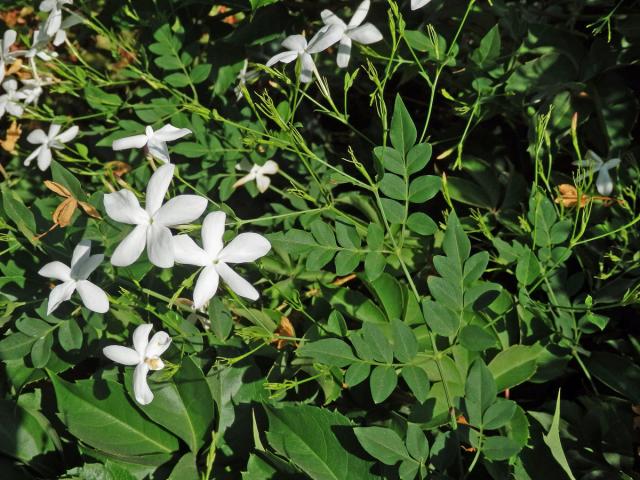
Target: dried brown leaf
{"x": 62, "y": 215}
{"x": 89, "y": 209}
{"x": 285, "y": 329}
{"x": 569, "y": 196}
{"x": 58, "y": 189}
{"x": 13, "y": 135}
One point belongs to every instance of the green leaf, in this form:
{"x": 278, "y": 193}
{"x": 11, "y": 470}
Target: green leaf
{"x": 456, "y": 244}
{"x": 514, "y": 365}
{"x": 379, "y": 343}
{"x": 417, "y": 444}
{"x": 382, "y": 383}
{"x": 15, "y": 345}
{"x": 480, "y": 391}
{"x": 330, "y": 351}
{"x": 383, "y": 444}
{"x": 356, "y": 374}
{"x": 499, "y": 448}
{"x": 200, "y": 73}
{"x": 70, "y": 335}
{"x": 109, "y": 421}
{"x": 528, "y": 268}
{"x": 403, "y": 131}
{"x": 64, "y": 177}
{"x": 316, "y": 451}
{"x": 19, "y": 213}
{"x": 184, "y": 405}
{"x": 489, "y": 49}
{"x": 418, "y": 157}
{"x": 476, "y": 339}
{"x": 346, "y": 262}
{"x": 374, "y": 264}
{"x": 618, "y": 373}
{"x": 422, "y": 224}
{"x": 186, "y": 468}
{"x": 41, "y": 351}
{"x": 391, "y": 159}
{"x": 552, "y": 439}
{"x": 220, "y": 318}
{"x": 177, "y": 80}
{"x": 498, "y": 414}
{"x": 440, "y": 319}
{"x": 393, "y": 186}
{"x": 393, "y": 210}
{"x": 405, "y": 344}
{"x": 417, "y": 380}
{"x": 424, "y": 188}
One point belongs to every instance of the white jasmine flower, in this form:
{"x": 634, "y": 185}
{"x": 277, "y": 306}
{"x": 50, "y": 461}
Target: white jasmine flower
{"x": 39, "y": 49}
{"x": 6, "y": 56}
{"x": 259, "y": 174}
{"x": 75, "y": 278}
{"x": 54, "y": 20}
{"x": 214, "y": 257}
{"x": 243, "y": 77}
{"x": 145, "y": 355}
{"x": 151, "y": 223}
{"x": 297, "y": 47}
{"x": 61, "y": 34}
{"x": 10, "y": 101}
{"x": 153, "y": 142}
{"x": 354, "y": 31}
{"x": 52, "y": 140}
{"x": 416, "y": 4}
{"x": 594, "y": 164}
{"x": 32, "y": 89}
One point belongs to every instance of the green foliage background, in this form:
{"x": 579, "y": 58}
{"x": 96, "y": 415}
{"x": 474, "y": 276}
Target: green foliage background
{"x": 450, "y": 318}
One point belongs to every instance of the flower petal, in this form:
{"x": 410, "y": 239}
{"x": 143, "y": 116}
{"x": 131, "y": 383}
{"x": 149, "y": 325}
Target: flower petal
{"x": 269, "y": 168}
{"x": 122, "y": 355}
{"x": 53, "y": 22}
{"x": 157, "y": 187}
{"x": 186, "y": 251}
{"x": 135, "y": 141}
{"x": 141, "y": 338}
{"x": 326, "y": 36}
{"x": 283, "y": 57}
{"x": 8, "y": 39}
{"x": 85, "y": 267}
{"x": 263, "y": 182}
{"x": 130, "y": 248}
{"x": 93, "y": 296}
{"x": 206, "y": 286}
{"x": 416, "y": 4}
{"x": 44, "y": 158}
{"x": 365, "y": 34}
{"x": 330, "y": 18}
{"x": 344, "y": 52}
{"x": 32, "y": 155}
{"x": 59, "y": 294}
{"x": 604, "y": 184}
{"x": 212, "y": 231}
{"x": 160, "y": 246}
{"x": 246, "y": 247}
{"x": 158, "y": 149}
{"x": 57, "y": 270}
{"x": 360, "y": 13}
{"x": 613, "y": 163}
{"x": 158, "y": 344}
{"x": 295, "y": 43}
{"x": 123, "y": 206}
{"x": 82, "y": 250}
{"x": 141, "y": 390}
{"x": 169, "y": 133}
{"x": 181, "y": 210}
{"x": 247, "y": 178}
{"x": 37, "y": 137}
{"x": 306, "y": 72}
{"x": 68, "y": 134}
{"x": 236, "y": 282}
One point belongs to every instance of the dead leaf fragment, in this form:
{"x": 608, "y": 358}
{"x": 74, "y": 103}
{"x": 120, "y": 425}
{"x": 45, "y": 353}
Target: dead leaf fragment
{"x": 62, "y": 215}
{"x": 13, "y": 135}
{"x": 89, "y": 209}
{"x": 58, "y": 189}
{"x": 569, "y": 196}
{"x": 285, "y": 329}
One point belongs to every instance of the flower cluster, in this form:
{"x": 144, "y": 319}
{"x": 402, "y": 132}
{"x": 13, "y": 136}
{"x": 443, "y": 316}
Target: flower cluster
{"x": 15, "y": 99}
{"x": 335, "y": 30}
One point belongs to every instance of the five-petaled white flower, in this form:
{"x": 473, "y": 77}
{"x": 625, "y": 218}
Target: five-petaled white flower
{"x": 10, "y": 100}
{"x": 416, "y": 4}
{"x": 259, "y": 174}
{"x": 75, "y": 278}
{"x": 145, "y": 355}
{"x": 214, "y": 257}
{"x": 153, "y": 142}
{"x": 6, "y": 56}
{"x": 297, "y": 47}
{"x": 594, "y": 164}
{"x": 354, "y": 31}
{"x": 54, "y": 139}
{"x": 151, "y": 223}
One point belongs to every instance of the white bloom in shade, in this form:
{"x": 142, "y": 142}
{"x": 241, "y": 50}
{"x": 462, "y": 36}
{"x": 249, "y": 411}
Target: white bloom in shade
{"x": 215, "y": 257}
{"x": 52, "y": 140}
{"x": 354, "y": 31}
{"x": 152, "y": 222}
{"x": 75, "y": 278}
{"x": 54, "y": 20}
{"x": 10, "y": 100}
{"x": 416, "y": 4}
{"x": 259, "y": 174}
{"x": 297, "y": 47}
{"x": 61, "y": 34}
{"x": 153, "y": 142}
{"x": 6, "y": 56}
{"x": 145, "y": 355}
{"x": 594, "y": 164}
{"x": 32, "y": 89}
{"x": 38, "y": 48}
